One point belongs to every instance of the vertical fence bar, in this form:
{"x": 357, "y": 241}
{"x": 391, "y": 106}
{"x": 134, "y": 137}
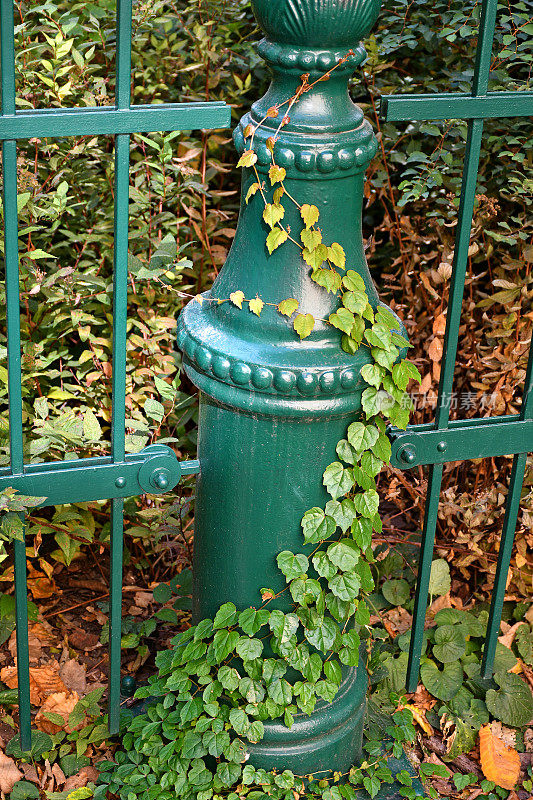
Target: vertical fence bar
{"x": 9, "y": 165}
{"x": 512, "y": 508}
{"x": 120, "y": 312}
{"x": 451, "y": 337}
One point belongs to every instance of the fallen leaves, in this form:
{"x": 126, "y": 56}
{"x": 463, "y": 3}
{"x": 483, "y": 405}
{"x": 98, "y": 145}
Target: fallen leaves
{"x": 420, "y": 718}
{"x": 60, "y": 705}
{"x": 500, "y": 763}
{"x": 44, "y": 681}
{"x": 9, "y": 774}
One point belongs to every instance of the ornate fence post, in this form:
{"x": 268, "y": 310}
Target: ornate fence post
{"x": 272, "y": 407}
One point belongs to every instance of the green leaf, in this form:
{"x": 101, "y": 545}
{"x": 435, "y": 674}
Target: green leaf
{"x": 440, "y": 580}
{"x": 512, "y": 704}
{"x": 354, "y": 282}
{"x": 317, "y": 526}
{"x": 329, "y": 279}
{"x": 345, "y": 586}
{"x": 40, "y": 743}
{"x": 91, "y": 427}
{"x": 223, "y": 644}
{"x": 396, "y": 592}
{"x": 292, "y": 565}
{"x": 323, "y": 566}
{"x": 228, "y": 773}
{"x": 276, "y": 174}
{"x": 343, "y": 320}
{"x": 403, "y": 372}
{"x": 442, "y": 684}
{"x": 310, "y": 215}
{"x": 316, "y": 257}
{"x": 226, "y": 616}
{"x": 344, "y": 554}
{"x": 154, "y": 409}
{"x": 303, "y": 325}
{"x": 324, "y": 636}
{"x": 355, "y": 302}
{"x": 362, "y": 436}
{"x": 288, "y": 307}
{"x": 337, "y": 255}
{"x": 372, "y": 374}
{"x": 367, "y": 503}
{"x": 229, "y": 678}
{"x": 449, "y": 643}
{"x": 338, "y": 480}
{"x": 251, "y": 620}
{"x": 275, "y": 238}
{"x": 273, "y": 213}
{"x": 310, "y": 238}
{"x": 343, "y": 513}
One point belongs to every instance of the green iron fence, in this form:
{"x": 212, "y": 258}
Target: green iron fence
{"x": 156, "y": 469}
{"x": 117, "y": 476}
{"x": 443, "y": 441}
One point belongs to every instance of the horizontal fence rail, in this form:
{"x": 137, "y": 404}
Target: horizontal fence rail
{"x": 444, "y": 441}
{"x": 156, "y": 468}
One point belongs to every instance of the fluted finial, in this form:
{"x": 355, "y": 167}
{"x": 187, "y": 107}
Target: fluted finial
{"x": 316, "y": 23}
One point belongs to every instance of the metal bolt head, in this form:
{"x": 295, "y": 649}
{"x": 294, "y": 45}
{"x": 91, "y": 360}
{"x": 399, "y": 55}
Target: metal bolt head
{"x": 408, "y": 454}
{"x": 442, "y": 446}
{"x": 120, "y": 482}
{"x": 160, "y": 479}
{"x": 128, "y": 686}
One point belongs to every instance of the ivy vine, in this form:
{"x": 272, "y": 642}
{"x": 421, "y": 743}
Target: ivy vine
{"x": 225, "y": 677}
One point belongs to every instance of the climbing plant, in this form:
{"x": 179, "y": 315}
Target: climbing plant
{"x": 225, "y": 677}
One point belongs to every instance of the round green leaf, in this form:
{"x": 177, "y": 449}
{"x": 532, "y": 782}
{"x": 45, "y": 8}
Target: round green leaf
{"x": 449, "y": 643}
{"x": 396, "y": 592}
{"x": 440, "y": 581}
{"x": 292, "y": 565}
{"x": 512, "y": 704}
{"x": 442, "y": 683}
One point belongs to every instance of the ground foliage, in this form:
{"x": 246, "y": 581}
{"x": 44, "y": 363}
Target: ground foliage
{"x": 184, "y": 203}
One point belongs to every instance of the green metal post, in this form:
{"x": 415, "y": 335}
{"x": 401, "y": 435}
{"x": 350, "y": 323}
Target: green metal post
{"x": 273, "y": 408}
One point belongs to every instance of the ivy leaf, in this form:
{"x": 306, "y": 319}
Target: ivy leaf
{"x": 248, "y": 159}
{"x": 403, "y": 372}
{"x": 362, "y": 532}
{"x": 91, "y": 427}
{"x": 273, "y": 214}
{"x": 251, "y": 620}
{"x": 292, "y": 566}
{"x": 288, "y": 307}
{"x": 310, "y": 215}
{"x": 310, "y": 238}
{"x": 382, "y": 448}
{"x": 337, "y": 255}
{"x": 225, "y": 616}
{"x": 338, "y": 480}
{"x": 439, "y": 580}
{"x": 396, "y": 592}
{"x": 513, "y": 703}
{"x": 315, "y": 257}
{"x": 275, "y": 238}
{"x": 251, "y": 191}
{"x": 442, "y": 684}
{"x": 367, "y": 503}
{"x": 345, "y": 586}
{"x": 317, "y": 526}
{"x": 355, "y": 301}
{"x": 237, "y": 298}
{"x": 370, "y": 464}
{"x": 354, "y": 282}
{"x": 277, "y": 174}
{"x": 449, "y": 643}
{"x": 323, "y": 637}
{"x": 372, "y": 374}
{"x": 249, "y": 649}
{"x": 343, "y": 513}
{"x": 256, "y": 306}
{"x": 303, "y": 325}
{"x": 361, "y": 436}
{"x": 228, "y": 774}
{"x": 323, "y": 566}
{"x": 329, "y": 279}
{"x": 344, "y": 554}
{"x": 342, "y": 319}
{"x": 373, "y": 401}
{"x": 229, "y": 678}
{"x": 223, "y": 644}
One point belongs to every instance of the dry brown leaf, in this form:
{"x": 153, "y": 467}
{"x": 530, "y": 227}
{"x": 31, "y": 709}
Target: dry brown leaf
{"x": 423, "y": 699}
{"x": 509, "y": 635}
{"x": 500, "y": 764}
{"x": 73, "y": 674}
{"x": 439, "y": 325}
{"x": 59, "y": 775}
{"x": 44, "y": 681}
{"x": 397, "y": 620}
{"x": 81, "y": 779}
{"x": 61, "y": 703}
{"x": 40, "y": 585}
{"x": 39, "y": 635}
{"x": 435, "y": 349}
{"x": 9, "y": 774}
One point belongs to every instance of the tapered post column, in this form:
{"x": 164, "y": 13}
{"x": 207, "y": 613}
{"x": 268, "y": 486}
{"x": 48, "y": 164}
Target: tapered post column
{"x": 272, "y": 407}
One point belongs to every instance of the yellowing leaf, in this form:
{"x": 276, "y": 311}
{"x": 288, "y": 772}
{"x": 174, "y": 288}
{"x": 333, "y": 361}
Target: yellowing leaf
{"x": 288, "y": 307}
{"x": 337, "y": 255}
{"x": 237, "y": 298}
{"x": 309, "y": 214}
{"x": 304, "y": 324}
{"x": 420, "y": 718}
{"x": 248, "y": 159}
{"x": 256, "y": 306}
{"x": 500, "y": 764}
{"x": 273, "y": 214}
{"x": 310, "y": 239}
{"x": 251, "y": 191}
{"x": 276, "y": 174}
{"x": 199, "y": 299}
{"x": 315, "y": 258}
{"x": 275, "y": 238}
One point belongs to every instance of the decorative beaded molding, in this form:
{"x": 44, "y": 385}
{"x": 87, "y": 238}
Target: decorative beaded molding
{"x": 322, "y": 159}
{"x": 274, "y": 380}
{"x": 290, "y": 57}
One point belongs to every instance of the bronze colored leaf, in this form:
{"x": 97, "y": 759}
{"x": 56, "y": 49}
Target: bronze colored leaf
{"x": 500, "y": 764}
{"x": 44, "y": 681}
{"x": 9, "y": 774}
